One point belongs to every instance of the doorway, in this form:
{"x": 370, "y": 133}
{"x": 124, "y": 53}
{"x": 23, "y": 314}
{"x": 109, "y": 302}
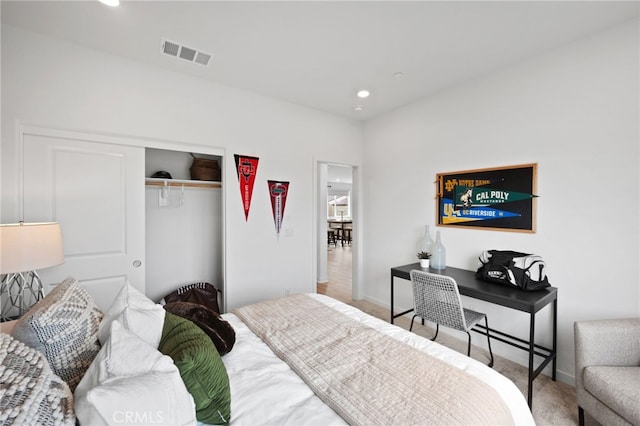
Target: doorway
{"x": 336, "y": 236}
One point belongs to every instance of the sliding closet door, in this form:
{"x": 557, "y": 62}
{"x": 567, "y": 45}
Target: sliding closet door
{"x": 95, "y": 190}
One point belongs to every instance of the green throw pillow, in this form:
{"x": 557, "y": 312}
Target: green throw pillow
{"x": 200, "y": 367}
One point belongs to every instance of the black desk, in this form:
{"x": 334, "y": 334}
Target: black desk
{"x": 525, "y": 301}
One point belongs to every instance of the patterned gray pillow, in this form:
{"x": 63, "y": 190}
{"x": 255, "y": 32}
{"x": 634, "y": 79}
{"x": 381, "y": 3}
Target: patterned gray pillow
{"x": 29, "y": 391}
{"x": 64, "y": 327}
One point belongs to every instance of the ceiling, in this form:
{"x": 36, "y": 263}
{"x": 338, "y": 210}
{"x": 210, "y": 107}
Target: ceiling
{"x": 338, "y": 175}
{"x": 318, "y": 54}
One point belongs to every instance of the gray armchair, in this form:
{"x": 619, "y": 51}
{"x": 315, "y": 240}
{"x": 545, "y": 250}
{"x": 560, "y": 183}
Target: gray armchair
{"x": 608, "y": 370}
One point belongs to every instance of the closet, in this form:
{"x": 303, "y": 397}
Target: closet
{"x": 183, "y": 224}
{"x": 114, "y": 229}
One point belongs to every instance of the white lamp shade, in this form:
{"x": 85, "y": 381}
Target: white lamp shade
{"x": 30, "y": 246}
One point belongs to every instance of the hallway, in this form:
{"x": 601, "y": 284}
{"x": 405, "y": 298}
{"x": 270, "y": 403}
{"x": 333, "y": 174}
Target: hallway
{"x": 339, "y": 273}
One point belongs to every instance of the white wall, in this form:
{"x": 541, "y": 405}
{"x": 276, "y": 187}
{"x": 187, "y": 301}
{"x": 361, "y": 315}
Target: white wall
{"x": 56, "y": 84}
{"x": 574, "y": 111}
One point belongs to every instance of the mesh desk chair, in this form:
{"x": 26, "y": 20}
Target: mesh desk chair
{"x": 436, "y": 298}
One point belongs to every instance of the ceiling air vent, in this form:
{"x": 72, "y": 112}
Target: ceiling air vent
{"x": 170, "y": 48}
{"x": 202, "y": 58}
{"x": 184, "y": 52}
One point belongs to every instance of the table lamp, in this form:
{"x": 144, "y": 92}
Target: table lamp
{"x": 24, "y": 248}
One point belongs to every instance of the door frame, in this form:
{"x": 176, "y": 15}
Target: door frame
{"x": 319, "y": 234}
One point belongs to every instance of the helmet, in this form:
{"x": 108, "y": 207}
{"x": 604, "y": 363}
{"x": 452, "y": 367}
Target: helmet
{"x": 161, "y": 175}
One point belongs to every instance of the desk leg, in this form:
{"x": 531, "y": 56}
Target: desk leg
{"x": 555, "y": 342}
{"x": 532, "y": 329}
{"x": 391, "y": 308}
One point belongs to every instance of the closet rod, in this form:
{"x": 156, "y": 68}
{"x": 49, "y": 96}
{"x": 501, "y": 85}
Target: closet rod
{"x": 185, "y": 183}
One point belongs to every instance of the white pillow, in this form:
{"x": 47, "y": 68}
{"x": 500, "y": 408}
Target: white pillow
{"x": 128, "y": 382}
{"x": 137, "y": 313}
{"x": 134, "y": 400}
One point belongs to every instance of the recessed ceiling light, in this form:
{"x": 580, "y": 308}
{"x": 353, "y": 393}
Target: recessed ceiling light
{"x": 112, "y": 3}
{"x": 398, "y": 74}
{"x": 363, "y": 93}
{"x": 358, "y": 107}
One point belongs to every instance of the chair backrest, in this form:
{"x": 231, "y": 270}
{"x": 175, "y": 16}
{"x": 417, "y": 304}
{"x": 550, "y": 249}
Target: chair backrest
{"x": 436, "y": 298}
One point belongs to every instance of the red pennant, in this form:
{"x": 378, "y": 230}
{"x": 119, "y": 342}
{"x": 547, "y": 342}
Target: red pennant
{"x": 278, "y": 194}
{"x": 247, "y": 167}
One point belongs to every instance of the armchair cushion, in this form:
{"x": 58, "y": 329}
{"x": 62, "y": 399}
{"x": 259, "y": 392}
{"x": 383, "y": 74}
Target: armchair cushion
{"x": 616, "y": 387}
{"x": 607, "y": 360}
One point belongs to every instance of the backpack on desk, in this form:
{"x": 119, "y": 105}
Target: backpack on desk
{"x": 521, "y": 270}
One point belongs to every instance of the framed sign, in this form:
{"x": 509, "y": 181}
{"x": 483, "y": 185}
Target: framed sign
{"x": 501, "y": 198}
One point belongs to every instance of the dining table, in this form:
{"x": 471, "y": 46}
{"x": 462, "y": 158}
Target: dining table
{"x": 343, "y": 226}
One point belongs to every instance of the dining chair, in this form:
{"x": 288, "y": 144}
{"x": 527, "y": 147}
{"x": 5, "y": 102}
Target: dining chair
{"x": 346, "y": 231}
{"x": 331, "y": 238}
{"x": 437, "y": 299}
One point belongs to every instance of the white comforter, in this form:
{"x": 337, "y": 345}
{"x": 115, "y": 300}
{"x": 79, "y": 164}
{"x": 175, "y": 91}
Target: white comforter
{"x": 265, "y": 391}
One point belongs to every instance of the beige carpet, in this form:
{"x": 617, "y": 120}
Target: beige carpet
{"x": 554, "y": 402}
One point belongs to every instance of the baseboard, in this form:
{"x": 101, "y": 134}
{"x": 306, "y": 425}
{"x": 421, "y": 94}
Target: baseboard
{"x": 377, "y": 302}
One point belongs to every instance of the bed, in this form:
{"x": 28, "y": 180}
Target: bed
{"x": 305, "y": 359}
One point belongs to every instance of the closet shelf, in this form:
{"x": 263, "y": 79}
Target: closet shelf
{"x": 182, "y": 182}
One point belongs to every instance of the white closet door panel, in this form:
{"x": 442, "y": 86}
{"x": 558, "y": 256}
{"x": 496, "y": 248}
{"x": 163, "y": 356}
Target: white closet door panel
{"x": 96, "y": 192}
{"x": 99, "y": 210}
